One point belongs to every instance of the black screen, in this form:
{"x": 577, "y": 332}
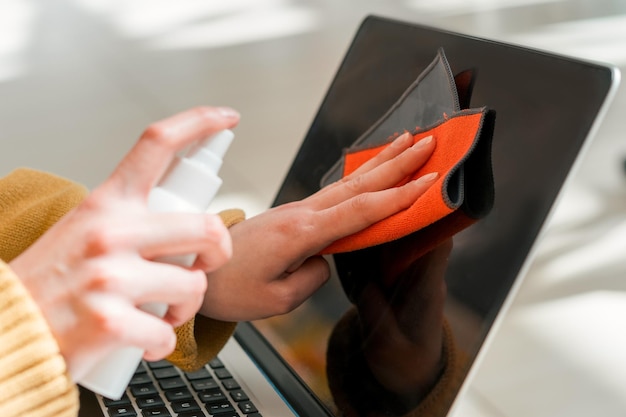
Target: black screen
{"x": 545, "y": 108}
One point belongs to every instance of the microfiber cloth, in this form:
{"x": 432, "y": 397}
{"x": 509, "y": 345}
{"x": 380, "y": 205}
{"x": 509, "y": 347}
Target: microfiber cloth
{"x": 464, "y": 191}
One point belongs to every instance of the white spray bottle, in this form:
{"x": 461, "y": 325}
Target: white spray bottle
{"x": 189, "y": 185}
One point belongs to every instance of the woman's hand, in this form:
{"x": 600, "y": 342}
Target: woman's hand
{"x": 275, "y": 266}
{"x": 91, "y": 271}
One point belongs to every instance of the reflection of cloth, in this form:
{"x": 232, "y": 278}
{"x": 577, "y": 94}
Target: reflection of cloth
{"x": 431, "y": 106}
{"x": 356, "y": 391}
{"x": 33, "y": 377}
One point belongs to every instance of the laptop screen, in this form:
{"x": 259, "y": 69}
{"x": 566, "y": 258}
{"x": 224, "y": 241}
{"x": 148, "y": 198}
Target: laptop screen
{"x": 361, "y": 333}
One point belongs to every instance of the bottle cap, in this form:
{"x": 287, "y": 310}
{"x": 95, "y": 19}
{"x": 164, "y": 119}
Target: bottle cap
{"x": 193, "y": 179}
{"x": 211, "y": 150}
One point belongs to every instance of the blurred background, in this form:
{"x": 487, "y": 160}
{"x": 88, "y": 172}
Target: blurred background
{"x": 81, "y": 79}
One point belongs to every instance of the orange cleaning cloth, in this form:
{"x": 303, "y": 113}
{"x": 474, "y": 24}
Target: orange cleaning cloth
{"x": 436, "y": 102}
{"x": 457, "y": 139}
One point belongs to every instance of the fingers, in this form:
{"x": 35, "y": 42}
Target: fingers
{"x": 299, "y": 284}
{"x": 387, "y": 169}
{"x": 139, "y": 282}
{"x": 155, "y": 336}
{"x": 363, "y": 210}
{"x": 139, "y": 171}
{"x": 158, "y": 235}
{"x": 181, "y": 233}
{"x": 399, "y": 145}
{"x": 182, "y": 290}
{"x": 115, "y": 322}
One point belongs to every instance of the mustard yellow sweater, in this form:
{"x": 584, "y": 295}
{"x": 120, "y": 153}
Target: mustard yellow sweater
{"x": 33, "y": 375}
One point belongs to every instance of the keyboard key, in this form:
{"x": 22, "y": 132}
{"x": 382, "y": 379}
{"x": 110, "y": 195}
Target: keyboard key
{"x": 186, "y": 405}
{"x": 156, "y": 412}
{"x": 216, "y": 363}
{"x": 179, "y": 397}
{"x": 219, "y": 409}
{"x": 204, "y": 384}
{"x": 116, "y": 403}
{"x": 143, "y": 390}
{"x": 238, "y": 395}
{"x": 150, "y": 402}
{"x": 222, "y": 373}
{"x": 247, "y": 407}
{"x": 172, "y": 383}
{"x": 168, "y": 372}
{"x": 212, "y": 397}
{"x": 178, "y": 394}
{"x": 193, "y": 414}
{"x": 199, "y": 374}
{"x": 140, "y": 379}
{"x": 141, "y": 369}
{"x": 230, "y": 384}
{"x": 158, "y": 364}
{"x": 121, "y": 411}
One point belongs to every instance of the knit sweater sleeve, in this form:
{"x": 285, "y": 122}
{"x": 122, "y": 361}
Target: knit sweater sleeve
{"x": 30, "y": 203}
{"x": 33, "y": 375}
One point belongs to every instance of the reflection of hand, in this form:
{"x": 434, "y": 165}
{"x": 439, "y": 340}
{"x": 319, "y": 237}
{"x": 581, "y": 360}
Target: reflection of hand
{"x": 402, "y": 326}
{"x": 91, "y": 270}
{"x": 392, "y": 354}
{"x": 274, "y": 266}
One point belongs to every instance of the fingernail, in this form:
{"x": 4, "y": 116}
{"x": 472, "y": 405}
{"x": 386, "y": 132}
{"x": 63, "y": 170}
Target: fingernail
{"x": 428, "y": 177}
{"x": 402, "y": 139}
{"x": 423, "y": 142}
{"x": 228, "y": 112}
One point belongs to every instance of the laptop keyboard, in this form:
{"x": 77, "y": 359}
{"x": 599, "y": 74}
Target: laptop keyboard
{"x": 159, "y": 389}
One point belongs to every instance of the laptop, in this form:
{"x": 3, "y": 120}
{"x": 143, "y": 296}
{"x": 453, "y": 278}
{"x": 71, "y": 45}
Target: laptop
{"x": 360, "y": 343}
